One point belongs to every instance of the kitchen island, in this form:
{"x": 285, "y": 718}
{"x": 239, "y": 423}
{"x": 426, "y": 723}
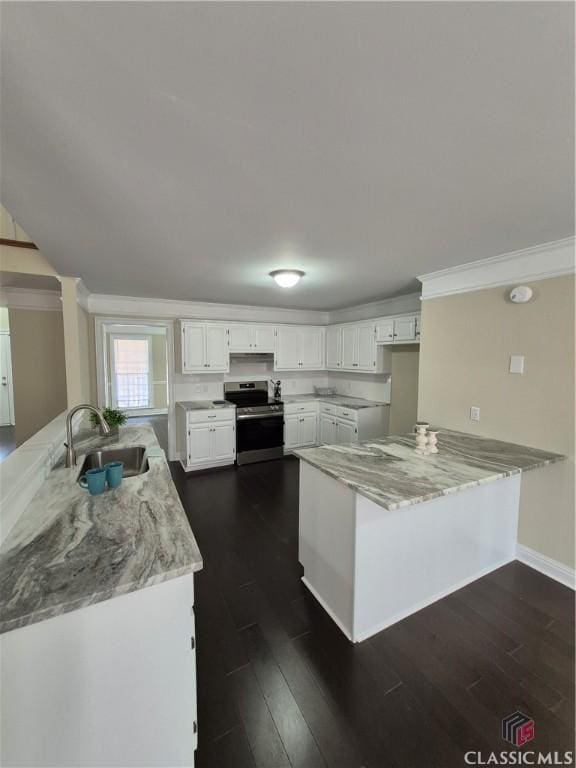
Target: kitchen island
{"x": 97, "y": 622}
{"x": 384, "y": 531}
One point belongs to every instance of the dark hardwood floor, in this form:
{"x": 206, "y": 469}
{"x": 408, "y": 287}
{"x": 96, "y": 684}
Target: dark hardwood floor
{"x": 279, "y": 685}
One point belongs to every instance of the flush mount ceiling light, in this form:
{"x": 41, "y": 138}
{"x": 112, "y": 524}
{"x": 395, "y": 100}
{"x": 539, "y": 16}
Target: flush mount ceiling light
{"x": 287, "y": 278}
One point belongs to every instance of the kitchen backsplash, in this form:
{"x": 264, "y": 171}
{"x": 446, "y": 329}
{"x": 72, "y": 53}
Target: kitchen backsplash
{"x": 211, "y": 386}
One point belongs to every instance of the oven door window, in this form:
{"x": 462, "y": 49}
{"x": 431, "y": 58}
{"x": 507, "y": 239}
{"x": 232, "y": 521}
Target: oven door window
{"x": 255, "y": 434}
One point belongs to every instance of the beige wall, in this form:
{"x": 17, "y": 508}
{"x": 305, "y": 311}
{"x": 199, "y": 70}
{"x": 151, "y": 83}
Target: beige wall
{"x": 76, "y": 344}
{"x": 404, "y": 390}
{"x": 465, "y": 349}
{"x": 4, "y": 322}
{"x": 38, "y": 369}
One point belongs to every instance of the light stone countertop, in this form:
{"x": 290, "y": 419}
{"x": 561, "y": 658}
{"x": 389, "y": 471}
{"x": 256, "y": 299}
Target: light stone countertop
{"x": 69, "y": 550}
{"x": 390, "y": 473}
{"x": 203, "y": 405}
{"x": 354, "y": 403}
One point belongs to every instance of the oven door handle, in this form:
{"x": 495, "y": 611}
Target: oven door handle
{"x": 246, "y": 416}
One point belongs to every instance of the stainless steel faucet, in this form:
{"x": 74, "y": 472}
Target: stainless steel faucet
{"x": 70, "y": 452}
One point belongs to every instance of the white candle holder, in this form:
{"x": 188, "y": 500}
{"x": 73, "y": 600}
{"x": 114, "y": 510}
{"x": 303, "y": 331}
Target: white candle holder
{"x": 432, "y": 440}
{"x": 421, "y": 439}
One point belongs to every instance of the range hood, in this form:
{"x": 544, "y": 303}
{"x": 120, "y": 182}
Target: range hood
{"x": 252, "y": 357}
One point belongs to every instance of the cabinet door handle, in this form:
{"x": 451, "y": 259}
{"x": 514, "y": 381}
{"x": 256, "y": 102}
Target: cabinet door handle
{"x": 194, "y": 727}
{"x": 212, "y": 417}
{"x": 193, "y": 642}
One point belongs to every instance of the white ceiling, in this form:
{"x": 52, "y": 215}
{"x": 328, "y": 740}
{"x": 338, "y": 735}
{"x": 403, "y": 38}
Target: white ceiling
{"x": 183, "y": 150}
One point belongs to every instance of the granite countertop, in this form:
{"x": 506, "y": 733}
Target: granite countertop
{"x": 390, "y": 473}
{"x": 203, "y": 405}
{"x": 354, "y": 403}
{"x": 69, "y": 549}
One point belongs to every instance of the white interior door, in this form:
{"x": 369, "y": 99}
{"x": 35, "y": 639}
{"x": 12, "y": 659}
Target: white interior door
{"x": 131, "y": 371}
{"x": 6, "y": 393}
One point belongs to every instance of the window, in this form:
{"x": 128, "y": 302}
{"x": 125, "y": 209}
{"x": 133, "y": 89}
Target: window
{"x": 131, "y": 372}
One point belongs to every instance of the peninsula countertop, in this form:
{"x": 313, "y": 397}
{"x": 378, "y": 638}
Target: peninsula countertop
{"x": 354, "y": 403}
{"x": 69, "y": 550}
{"x": 390, "y": 473}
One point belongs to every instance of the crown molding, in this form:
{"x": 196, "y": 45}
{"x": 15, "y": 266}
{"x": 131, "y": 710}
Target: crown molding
{"x": 536, "y": 263}
{"x": 103, "y": 304}
{"x": 82, "y": 294}
{"x": 397, "y": 305}
{"x": 31, "y": 298}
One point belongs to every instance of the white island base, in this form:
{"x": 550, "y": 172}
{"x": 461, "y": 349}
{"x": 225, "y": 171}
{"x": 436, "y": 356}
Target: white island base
{"x": 370, "y": 567}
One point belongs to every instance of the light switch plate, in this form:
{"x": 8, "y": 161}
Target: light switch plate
{"x": 474, "y": 413}
{"x": 516, "y": 363}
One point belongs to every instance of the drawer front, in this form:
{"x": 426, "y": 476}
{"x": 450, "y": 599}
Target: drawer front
{"x": 211, "y": 415}
{"x": 310, "y": 407}
{"x": 346, "y": 413}
{"x": 328, "y": 408}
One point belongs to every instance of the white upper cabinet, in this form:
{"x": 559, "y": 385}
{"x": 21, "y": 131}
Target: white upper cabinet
{"x": 385, "y": 331}
{"x": 263, "y": 338}
{"x": 404, "y": 329}
{"x": 217, "y": 348}
{"x": 312, "y": 348}
{"x": 299, "y": 348}
{"x": 352, "y": 347}
{"x": 287, "y": 349}
{"x": 193, "y": 337}
{"x": 349, "y": 361}
{"x": 333, "y": 347}
{"x": 251, "y": 338}
{"x": 203, "y": 348}
{"x": 366, "y": 347}
{"x": 240, "y": 337}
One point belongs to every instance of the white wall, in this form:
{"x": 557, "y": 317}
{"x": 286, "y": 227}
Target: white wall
{"x": 211, "y": 386}
{"x": 372, "y": 386}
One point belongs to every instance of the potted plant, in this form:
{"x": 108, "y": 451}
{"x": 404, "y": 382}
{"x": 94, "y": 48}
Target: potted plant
{"x": 113, "y": 417}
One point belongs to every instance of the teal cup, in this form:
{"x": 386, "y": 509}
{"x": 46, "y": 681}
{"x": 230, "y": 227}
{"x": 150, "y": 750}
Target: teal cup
{"x": 114, "y": 472}
{"x": 94, "y": 480}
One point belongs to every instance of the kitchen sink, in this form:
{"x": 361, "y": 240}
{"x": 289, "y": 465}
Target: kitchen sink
{"x": 134, "y": 459}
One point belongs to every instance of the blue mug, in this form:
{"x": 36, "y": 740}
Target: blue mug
{"x": 94, "y": 480}
{"x": 114, "y": 472}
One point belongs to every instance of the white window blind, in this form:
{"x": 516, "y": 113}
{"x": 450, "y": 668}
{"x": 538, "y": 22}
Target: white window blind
{"x": 132, "y": 373}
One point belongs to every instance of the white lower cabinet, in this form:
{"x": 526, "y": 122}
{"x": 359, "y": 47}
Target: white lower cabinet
{"x": 339, "y": 424}
{"x": 206, "y": 438}
{"x": 110, "y": 684}
{"x": 300, "y": 425}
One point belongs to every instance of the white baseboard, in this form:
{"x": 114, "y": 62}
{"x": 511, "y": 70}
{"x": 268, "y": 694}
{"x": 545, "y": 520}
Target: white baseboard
{"x": 546, "y": 565}
{"x": 328, "y": 610}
